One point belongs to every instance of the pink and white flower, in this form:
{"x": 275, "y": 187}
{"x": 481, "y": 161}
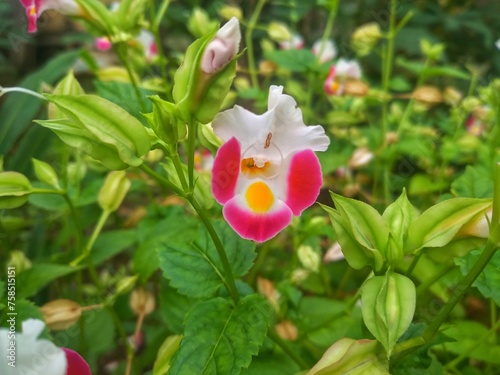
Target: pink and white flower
{"x": 35, "y": 8}
{"x": 34, "y": 356}
{"x": 324, "y": 51}
{"x": 222, "y": 48}
{"x": 148, "y": 43}
{"x": 296, "y": 42}
{"x": 340, "y": 72}
{"x": 266, "y": 171}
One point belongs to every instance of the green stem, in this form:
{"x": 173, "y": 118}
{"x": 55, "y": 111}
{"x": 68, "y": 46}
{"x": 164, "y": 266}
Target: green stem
{"x": 155, "y": 28}
{"x": 286, "y": 348}
{"x": 159, "y": 15}
{"x": 431, "y": 280}
{"x": 229, "y": 277}
{"x": 249, "y": 43}
{"x": 192, "y": 128}
{"x": 328, "y": 28}
{"x": 413, "y": 264}
{"x": 97, "y": 230}
{"x": 76, "y": 222}
{"x": 5, "y": 90}
{"x": 174, "y": 155}
{"x": 125, "y": 61}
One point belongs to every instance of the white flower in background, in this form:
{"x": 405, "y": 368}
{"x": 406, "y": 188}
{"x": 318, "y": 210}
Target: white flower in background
{"x": 222, "y": 48}
{"x": 342, "y": 71}
{"x": 147, "y": 40}
{"x": 348, "y": 69}
{"x": 327, "y": 53}
{"x": 296, "y": 42}
{"x": 333, "y": 254}
{"x": 498, "y": 43}
{"x": 34, "y": 356}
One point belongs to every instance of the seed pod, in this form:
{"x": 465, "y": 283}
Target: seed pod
{"x": 61, "y": 313}
{"x": 142, "y": 301}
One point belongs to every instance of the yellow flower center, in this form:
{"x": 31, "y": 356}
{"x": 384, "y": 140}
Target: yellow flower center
{"x": 33, "y": 11}
{"x": 250, "y": 169}
{"x": 259, "y": 197}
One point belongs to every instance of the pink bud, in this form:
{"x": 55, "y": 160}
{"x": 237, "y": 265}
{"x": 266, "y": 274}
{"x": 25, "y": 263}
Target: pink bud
{"x": 103, "y": 44}
{"x": 223, "y": 47}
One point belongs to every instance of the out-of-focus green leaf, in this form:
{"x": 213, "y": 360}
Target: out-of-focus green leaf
{"x": 222, "y": 337}
{"x": 475, "y": 182}
{"x": 19, "y": 109}
{"x": 300, "y": 60}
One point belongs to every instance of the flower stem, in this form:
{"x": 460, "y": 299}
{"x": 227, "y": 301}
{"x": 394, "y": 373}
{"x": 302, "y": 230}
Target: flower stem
{"x": 5, "y": 90}
{"x": 125, "y": 61}
{"x": 249, "y": 42}
{"x": 286, "y": 348}
{"x": 97, "y": 230}
{"x": 178, "y": 166}
{"x": 328, "y": 28}
{"x": 229, "y": 277}
{"x": 192, "y": 128}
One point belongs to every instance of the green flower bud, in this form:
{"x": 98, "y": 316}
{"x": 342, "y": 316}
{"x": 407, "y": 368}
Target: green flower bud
{"x": 279, "y": 32}
{"x": 309, "y": 258}
{"x": 199, "y": 23}
{"x": 471, "y": 103}
{"x": 165, "y": 354}
{"x": 165, "y": 122}
{"x": 365, "y": 38}
{"x": 229, "y": 11}
{"x": 113, "y": 191}
{"x": 46, "y": 173}
{"x": 19, "y": 261}
{"x": 126, "y": 284}
{"x": 432, "y": 51}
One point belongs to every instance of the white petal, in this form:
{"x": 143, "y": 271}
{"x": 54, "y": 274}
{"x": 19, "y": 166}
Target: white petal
{"x": 329, "y": 50}
{"x": 68, "y": 7}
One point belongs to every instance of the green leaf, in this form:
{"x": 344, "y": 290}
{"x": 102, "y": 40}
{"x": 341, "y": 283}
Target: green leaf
{"x": 68, "y": 86}
{"x": 24, "y": 310}
{"x": 193, "y": 266}
{"x": 111, "y": 243}
{"x": 108, "y": 122}
{"x": 120, "y": 94}
{"x": 446, "y": 71}
{"x": 466, "y": 334}
{"x": 32, "y": 280}
{"x": 300, "y": 60}
{"x": 388, "y": 305}
{"x": 100, "y": 17}
{"x": 356, "y": 255}
{"x": 130, "y": 13}
{"x": 14, "y": 189}
{"x": 421, "y": 184}
{"x": 165, "y": 353}
{"x": 475, "y": 182}
{"x": 489, "y": 279}
{"x": 18, "y": 110}
{"x": 174, "y": 307}
{"x": 222, "y": 337}
{"x": 437, "y": 226}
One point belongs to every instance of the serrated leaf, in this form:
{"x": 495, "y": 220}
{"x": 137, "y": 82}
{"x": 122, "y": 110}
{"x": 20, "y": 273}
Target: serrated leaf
{"x": 475, "y": 182}
{"x": 388, "y": 305}
{"x": 194, "y": 267}
{"x": 489, "y": 279}
{"x": 437, "y": 226}
{"x": 219, "y": 338}
{"x": 32, "y": 280}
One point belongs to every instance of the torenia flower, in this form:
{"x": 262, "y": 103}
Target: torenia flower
{"x": 147, "y": 40}
{"x": 222, "y": 48}
{"x": 266, "y": 171}
{"x": 327, "y": 52}
{"x": 35, "y": 8}
{"x": 29, "y": 355}
{"x": 344, "y": 70}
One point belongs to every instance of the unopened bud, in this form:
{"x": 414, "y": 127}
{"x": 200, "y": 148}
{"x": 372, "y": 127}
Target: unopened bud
{"x": 427, "y": 95}
{"x": 287, "y": 330}
{"x": 126, "y": 284}
{"x": 333, "y": 253}
{"x": 113, "y": 191}
{"x": 355, "y": 88}
{"x": 452, "y": 96}
{"x": 46, "y": 173}
{"x": 361, "y": 157}
{"x": 142, "y": 302}
{"x": 309, "y": 258}
{"x": 279, "y": 32}
{"x": 229, "y": 11}
{"x": 365, "y": 38}
{"x": 222, "y": 48}
{"x": 267, "y": 289}
{"x": 61, "y": 313}
{"x": 471, "y": 103}
{"x": 18, "y": 260}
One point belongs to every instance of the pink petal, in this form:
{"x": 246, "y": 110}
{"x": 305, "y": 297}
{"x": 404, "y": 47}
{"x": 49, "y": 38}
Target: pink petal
{"x": 304, "y": 181}
{"x": 226, "y": 170}
{"x": 32, "y": 18}
{"x": 256, "y": 227}
{"x": 76, "y": 364}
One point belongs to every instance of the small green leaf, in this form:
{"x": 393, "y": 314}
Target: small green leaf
{"x": 300, "y": 60}
{"x": 437, "y": 226}
{"x": 101, "y": 18}
{"x": 14, "y": 189}
{"x": 130, "y": 13}
{"x": 222, "y": 337}
{"x": 165, "y": 122}
{"x": 165, "y": 354}
{"x": 193, "y": 266}
{"x": 388, "y": 305}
